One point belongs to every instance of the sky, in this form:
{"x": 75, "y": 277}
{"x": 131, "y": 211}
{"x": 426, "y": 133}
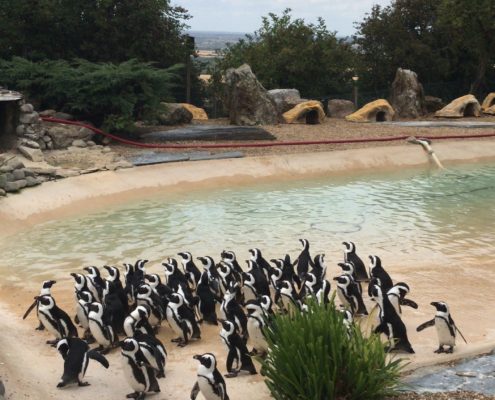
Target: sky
{"x": 245, "y": 15}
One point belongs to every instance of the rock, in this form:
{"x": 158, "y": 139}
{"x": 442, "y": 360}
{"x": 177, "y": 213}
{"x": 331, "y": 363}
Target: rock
{"x": 27, "y": 172}
{"x": 285, "y": 99}
{"x": 377, "y": 111}
{"x": 20, "y": 130}
{"x": 18, "y": 174}
{"x": 47, "y": 113}
{"x": 6, "y": 168}
{"x": 15, "y": 186}
{"x": 31, "y": 154}
{"x": 248, "y": 101}
{"x": 123, "y": 164}
{"x": 15, "y": 163}
{"x": 63, "y": 135}
{"x": 310, "y": 111}
{"x": 433, "y": 104}
{"x": 47, "y": 139}
{"x": 79, "y": 143}
{"x": 62, "y": 115}
{"x": 407, "y": 95}
{"x": 42, "y": 145}
{"x": 3, "y": 192}
{"x": 3, "y": 180}
{"x": 28, "y": 143}
{"x": 32, "y": 181}
{"x": 106, "y": 150}
{"x": 66, "y": 173}
{"x": 29, "y": 118}
{"x": 90, "y": 143}
{"x": 27, "y": 108}
{"x": 197, "y": 113}
{"x": 9, "y": 176}
{"x": 488, "y": 105}
{"x": 174, "y": 114}
{"x": 465, "y": 106}
{"x": 339, "y": 108}
{"x": 44, "y": 171}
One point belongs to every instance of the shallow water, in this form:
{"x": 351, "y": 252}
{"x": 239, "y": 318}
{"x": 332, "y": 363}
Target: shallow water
{"x": 409, "y": 217}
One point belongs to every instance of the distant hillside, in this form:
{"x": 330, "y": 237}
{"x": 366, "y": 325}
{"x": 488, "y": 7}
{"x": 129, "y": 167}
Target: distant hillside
{"x": 214, "y": 40}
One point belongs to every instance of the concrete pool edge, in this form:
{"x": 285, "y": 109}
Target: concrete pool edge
{"x": 86, "y": 192}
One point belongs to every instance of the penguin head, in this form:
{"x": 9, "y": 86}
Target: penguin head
{"x": 63, "y": 347}
{"x": 247, "y": 278}
{"x": 46, "y": 301}
{"x": 113, "y": 273}
{"x": 224, "y": 268}
{"x": 285, "y": 287}
{"x": 251, "y": 265}
{"x": 279, "y": 263}
{"x": 48, "y": 284}
{"x": 320, "y": 260}
{"x": 441, "y": 306}
{"x": 310, "y": 279}
{"x": 255, "y": 254}
{"x": 206, "y": 261}
{"x": 144, "y": 290}
{"x": 227, "y": 326}
{"x": 347, "y": 267}
{"x": 276, "y": 274}
{"x": 85, "y": 296}
{"x": 139, "y": 266}
{"x": 343, "y": 280}
{"x": 129, "y": 345}
{"x": 186, "y": 256}
{"x": 129, "y": 269}
{"x": 266, "y": 302}
{"x": 228, "y": 255}
{"x": 403, "y": 288}
{"x": 92, "y": 271}
{"x": 143, "y": 311}
{"x": 253, "y": 307}
{"x": 176, "y": 298}
{"x": 305, "y": 244}
{"x": 153, "y": 279}
{"x": 376, "y": 293}
{"x": 207, "y": 360}
{"x": 96, "y": 308}
{"x": 349, "y": 247}
{"x": 169, "y": 269}
{"x": 375, "y": 262}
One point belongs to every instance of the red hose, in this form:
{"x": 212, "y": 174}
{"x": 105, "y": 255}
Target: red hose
{"x": 259, "y": 144}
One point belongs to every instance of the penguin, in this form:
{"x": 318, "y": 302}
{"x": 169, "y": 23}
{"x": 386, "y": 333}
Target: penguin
{"x": 260, "y": 283}
{"x": 237, "y": 351}
{"x": 213, "y": 276}
{"x": 154, "y": 351}
{"x": 101, "y": 328}
{"x": 248, "y": 287}
{"x": 226, "y": 274}
{"x": 320, "y": 289}
{"x": 266, "y": 303}
{"x": 397, "y": 296}
{"x": 84, "y": 299}
{"x": 349, "y": 295}
{"x": 276, "y": 274}
{"x": 347, "y": 320}
{"x": 147, "y": 297}
{"x": 378, "y": 272}
{"x": 129, "y": 279}
{"x": 191, "y": 271}
{"x": 139, "y": 272}
{"x": 162, "y": 290}
{"x": 80, "y": 283}
{"x": 350, "y": 256}
{"x": 116, "y": 286}
{"x": 55, "y": 320}
{"x": 175, "y": 278}
{"x": 210, "y": 382}
{"x": 260, "y": 262}
{"x": 182, "y": 320}
{"x": 303, "y": 261}
{"x": 230, "y": 257}
{"x": 446, "y": 327}
{"x": 390, "y": 323}
{"x": 233, "y": 311}
{"x": 112, "y": 303}
{"x": 76, "y": 355}
{"x": 348, "y": 269}
{"x": 45, "y": 291}
{"x": 288, "y": 296}
{"x": 139, "y": 374}
{"x": 207, "y": 300}
{"x": 255, "y": 325}
{"x": 138, "y": 320}
{"x": 319, "y": 268}
{"x": 95, "y": 282}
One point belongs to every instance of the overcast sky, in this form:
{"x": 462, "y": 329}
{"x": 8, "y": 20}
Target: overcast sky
{"x": 245, "y": 15}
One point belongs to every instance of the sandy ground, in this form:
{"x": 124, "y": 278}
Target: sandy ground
{"x": 31, "y": 369}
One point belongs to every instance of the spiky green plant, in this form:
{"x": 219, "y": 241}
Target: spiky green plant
{"x": 314, "y": 356}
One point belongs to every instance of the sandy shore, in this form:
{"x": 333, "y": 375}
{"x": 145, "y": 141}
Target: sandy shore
{"x": 31, "y": 369}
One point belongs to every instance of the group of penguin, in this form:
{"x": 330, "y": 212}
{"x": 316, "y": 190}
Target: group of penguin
{"x": 135, "y": 308}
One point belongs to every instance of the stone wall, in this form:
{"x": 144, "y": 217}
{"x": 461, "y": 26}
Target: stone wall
{"x": 14, "y": 176}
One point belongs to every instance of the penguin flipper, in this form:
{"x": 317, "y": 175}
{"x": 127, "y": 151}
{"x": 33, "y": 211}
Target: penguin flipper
{"x": 97, "y": 356}
{"x": 28, "y": 311}
{"x": 425, "y": 325}
{"x": 194, "y": 391}
{"x": 409, "y": 303}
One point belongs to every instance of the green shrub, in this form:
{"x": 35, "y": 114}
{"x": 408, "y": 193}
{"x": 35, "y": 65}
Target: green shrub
{"x": 109, "y": 95}
{"x": 314, "y": 356}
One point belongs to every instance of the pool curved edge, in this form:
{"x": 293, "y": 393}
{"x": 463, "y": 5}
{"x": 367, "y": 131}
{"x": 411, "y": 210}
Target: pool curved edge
{"x": 86, "y": 192}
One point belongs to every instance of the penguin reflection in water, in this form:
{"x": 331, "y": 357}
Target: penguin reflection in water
{"x": 210, "y": 382}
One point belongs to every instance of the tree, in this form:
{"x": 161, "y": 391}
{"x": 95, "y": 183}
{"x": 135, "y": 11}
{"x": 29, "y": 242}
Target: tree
{"x": 289, "y": 53}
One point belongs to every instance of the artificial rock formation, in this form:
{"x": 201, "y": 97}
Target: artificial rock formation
{"x": 285, "y": 99}
{"x": 197, "y": 113}
{"x": 174, "y": 114}
{"x": 310, "y": 112}
{"x": 377, "y": 111}
{"x": 248, "y": 101}
{"x": 339, "y": 108}
{"x": 465, "y": 106}
{"x": 488, "y": 105}
{"x": 407, "y": 95}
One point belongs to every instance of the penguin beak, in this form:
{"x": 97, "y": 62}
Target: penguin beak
{"x": 434, "y": 304}
{"x": 221, "y": 320}
{"x": 197, "y": 357}
{"x": 336, "y": 278}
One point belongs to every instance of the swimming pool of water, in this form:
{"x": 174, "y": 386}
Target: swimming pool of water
{"x": 407, "y": 217}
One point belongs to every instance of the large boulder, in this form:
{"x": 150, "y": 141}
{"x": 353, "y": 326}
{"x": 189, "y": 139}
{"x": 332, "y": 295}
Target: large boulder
{"x": 285, "y": 99}
{"x": 174, "y": 114}
{"x": 488, "y": 105}
{"x": 407, "y": 95}
{"x": 248, "y": 101}
{"x": 197, "y": 113}
{"x": 465, "y": 106}
{"x": 339, "y": 108}
{"x": 377, "y": 111}
{"x": 62, "y": 135}
{"x": 310, "y": 112}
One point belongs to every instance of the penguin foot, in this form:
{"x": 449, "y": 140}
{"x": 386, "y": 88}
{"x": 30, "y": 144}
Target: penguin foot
{"x": 439, "y": 350}
{"x": 232, "y": 374}
{"x": 181, "y": 344}
{"x": 40, "y": 327}
{"x": 160, "y": 374}
{"x": 52, "y": 343}
{"x": 179, "y": 339}
{"x": 84, "y": 384}
{"x": 134, "y": 395}
{"x": 450, "y": 350}
{"x": 61, "y": 384}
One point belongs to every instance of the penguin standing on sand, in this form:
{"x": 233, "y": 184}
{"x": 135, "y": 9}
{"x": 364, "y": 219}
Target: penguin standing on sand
{"x": 318, "y": 288}
{"x": 137, "y": 320}
{"x": 350, "y": 256}
{"x": 230, "y": 257}
{"x": 145, "y": 296}
{"x": 55, "y": 320}
{"x": 260, "y": 281}
{"x": 304, "y": 260}
{"x": 182, "y": 320}
{"x": 100, "y": 325}
{"x": 237, "y": 351}
{"x": 207, "y": 300}
{"x": 255, "y": 325}
{"x": 45, "y": 291}
{"x": 116, "y": 286}
{"x": 192, "y": 272}
{"x": 154, "y": 351}
{"x": 319, "y": 267}
{"x": 139, "y": 374}
{"x": 288, "y": 296}
{"x": 258, "y": 259}
{"x": 397, "y": 296}
{"x": 76, "y": 355}
{"x": 379, "y": 273}
{"x": 82, "y": 312}
{"x": 446, "y": 328}
{"x": 349, "y": 294}
{"x": 210, "y": 382}
{"x": 95, "y": 282}
{"x": 233, "y": 311}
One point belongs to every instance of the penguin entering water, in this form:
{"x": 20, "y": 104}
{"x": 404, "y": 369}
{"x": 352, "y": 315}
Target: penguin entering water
{"x": 378, "y": 272}
{"x": 76, "y": 355}
{"x": 210, "y": 382}
{"x": 446, "y": 328}
{"x": 139, "y": 374}
{"x": 182, "y": 320}
{"x": 349, "y": 294}
{"x": 100, "y": 325}
{"x": 45, "y": 291}
{"x": 237, "y": 351}
{"x": 351, "y": 257}
{"x": 55, "y": 320}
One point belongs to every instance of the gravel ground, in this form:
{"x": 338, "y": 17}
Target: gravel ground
{"x": 442, "y": 396}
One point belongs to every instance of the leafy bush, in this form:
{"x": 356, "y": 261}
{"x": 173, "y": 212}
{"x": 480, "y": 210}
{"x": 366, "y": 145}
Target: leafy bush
{"x": 314, "y": 356}
{"x": 109, "y": 95}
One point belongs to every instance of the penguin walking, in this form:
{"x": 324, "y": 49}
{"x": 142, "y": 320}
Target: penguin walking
{"x": 138, "y": 373}
{"x": 445, "y": 325}
{"x": 100, "y": 325}
{"x": 390, "y": 323}
{"x": 76, "y": 355}
{"x": 350, "y": 256}
{"x": 55, "y": 320}
{"x": 182, "y": 320}
{"x": 255, "y": 325}
{"x": 349, "y": 295}
{"x": 379, "y": 273}
{"x": 304, "y": 260}
{"x": 45, "y": 291}
{"x": 210, "y": 382}
{"x": 397, "y": 296}
{"x": 237, "y": 351}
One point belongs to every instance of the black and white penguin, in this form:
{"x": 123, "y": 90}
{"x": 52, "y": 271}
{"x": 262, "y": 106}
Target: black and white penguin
{"x": 288, "y": 296}
{"x": 145, "y": 296}
{"x": 45, "y": 291}
{"x": 378, "y": 272}
{"x": 210, "y": 382}
{"x": 261, "y": 280}
{"x": 138, "y": 373}
{"x": 255, "y": 325}
{"x": 191, "y": 271}
{"x": 207, "y": 300}
{"x": 84, "y": 299}
{"x": 95, "y": 282}
{"x": 351, "y": 257}
{"x": 248, "y": 287}
{"x": 390, "y": 323}
{"x": 397, "y": 296}
{"x": 76, "y": 355}
{"x": 266, "y": 303}
{"x": 349, "y": 295}
{"x": 154, "y": 351}
{"x": 276, "y": 274}
{"x": 226, "y": 274}
{"x": 116, "y": 286}
{"x": 175, "y": 277}
{"x": 128, "y": 282}
{"x": 230, "y": 257}
{"x": 445, "y": 325}
{"x": 230, "y": 309}
{"x": 100, "y": 325}
{"x": 137, "y": 320}
{"x": 260, "y": 261}
{"x": 319, "y": 267}
{"x": 139, "y": 272}
{"x": 80, "y": 283}
{"x": 210, "y": 268}
{"x": 320, "y": 289}
{"x": 237, "y": 351}
{"x": 55, "y": 320}
{"x": 303, "y": 261}
{"x": 162, "y": 290}
{"x": 182, "y": 320}
{"x": 348, "y": 269}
